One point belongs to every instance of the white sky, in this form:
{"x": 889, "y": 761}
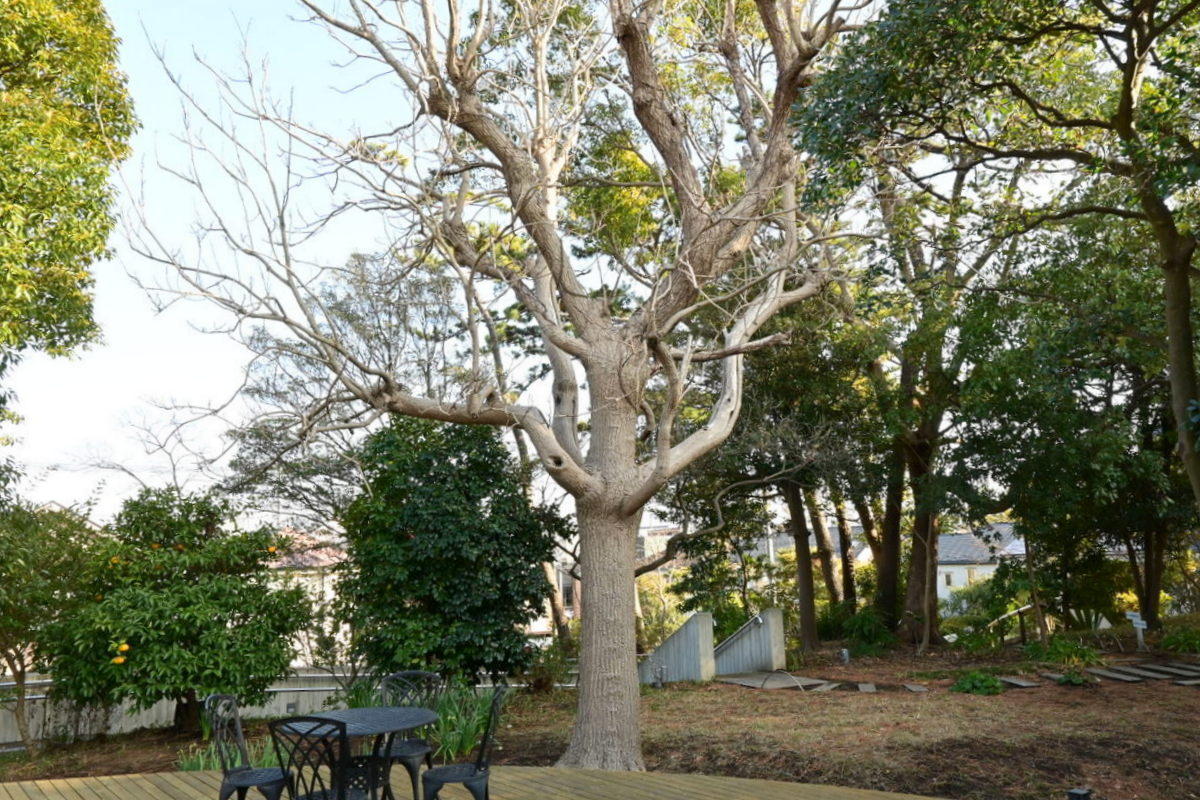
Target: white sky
{"x": 88, "y": 408}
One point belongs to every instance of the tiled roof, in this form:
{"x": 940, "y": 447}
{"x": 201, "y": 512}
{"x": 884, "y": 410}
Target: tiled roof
{"x": 306, "y": 551}
{"x": 962, "y": 548}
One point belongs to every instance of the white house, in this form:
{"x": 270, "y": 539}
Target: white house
{"x": 964, "y": 558}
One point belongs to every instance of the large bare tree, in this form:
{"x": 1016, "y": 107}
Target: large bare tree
{"x": 612, "y": 172}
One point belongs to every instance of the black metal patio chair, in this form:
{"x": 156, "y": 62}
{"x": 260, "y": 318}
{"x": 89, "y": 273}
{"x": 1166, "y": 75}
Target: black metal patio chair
{"x": 473, "y": 775}
{"x": 323, "y": 766}
{"x": 237, "y": 773}
{"x": 410, "y": 748}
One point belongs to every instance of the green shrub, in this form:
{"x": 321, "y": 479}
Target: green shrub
{"x": 1073, "y": 677}
{"x": 362, "y": 693}
{"x": 1063, "y": 651}
{"x": 551, "y": 666}
{"x": 977, "y": 682}
{"x": 831, "y": 621}
{"x": 867, "y": 633}
{"x": 1185, "y": 640}
{"x": 978, "y": 642}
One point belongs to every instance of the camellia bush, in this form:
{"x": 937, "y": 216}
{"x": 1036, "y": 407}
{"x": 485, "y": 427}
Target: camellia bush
{"x": 444, "y": 552}
{"x": 177, "y": 603}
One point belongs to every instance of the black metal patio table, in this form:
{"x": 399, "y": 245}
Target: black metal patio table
{"x": 380, "y": 720}
{"x": 379, "y": 723}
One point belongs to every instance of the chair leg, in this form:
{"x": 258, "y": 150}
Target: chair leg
{"x": 273, "y": 791}
{"x": 414, "y": 771}
{"x": 478, "y": 789}
{"x": 432, "y": 788}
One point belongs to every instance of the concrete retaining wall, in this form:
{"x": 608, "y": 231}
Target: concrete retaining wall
{"x": 757, "y": 646}
{"x": 686, "y": 655}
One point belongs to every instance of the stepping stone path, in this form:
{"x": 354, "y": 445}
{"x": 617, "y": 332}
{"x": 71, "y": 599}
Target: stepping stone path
{"x": 1181, "y": 673}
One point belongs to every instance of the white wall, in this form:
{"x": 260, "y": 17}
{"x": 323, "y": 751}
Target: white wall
{"x": 303, "y": 693}
{"x": 956, "y": 576}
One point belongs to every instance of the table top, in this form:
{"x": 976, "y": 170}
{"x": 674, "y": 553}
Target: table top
{"x": 378, "y": 720}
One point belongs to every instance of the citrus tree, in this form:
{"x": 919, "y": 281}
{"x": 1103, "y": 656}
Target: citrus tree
{"x": 177, "y": 603}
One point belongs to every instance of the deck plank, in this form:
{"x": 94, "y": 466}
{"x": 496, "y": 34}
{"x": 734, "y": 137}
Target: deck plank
{"x": 508, "y": 783}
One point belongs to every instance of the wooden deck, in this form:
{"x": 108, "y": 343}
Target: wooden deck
{"x": 507, "y": 783}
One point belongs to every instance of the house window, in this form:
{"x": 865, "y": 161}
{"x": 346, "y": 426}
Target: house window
{"x": 972, "y": 575}
{"x": 949, "y": 579}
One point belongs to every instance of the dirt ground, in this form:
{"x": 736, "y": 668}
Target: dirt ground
{"x": 1125, "y": 741}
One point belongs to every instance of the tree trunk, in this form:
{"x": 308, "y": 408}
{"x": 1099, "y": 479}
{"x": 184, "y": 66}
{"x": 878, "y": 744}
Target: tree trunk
{"x": 607, "y": 734}
{"x": 887, "y": 600}
{"x": 1153, "y": 564}
{"x": 1034, "y": 596}
{"x": 558, "y": 613}
{"x": 187, "y": 713}
{"x": 1176, "y": 251}
{"x": 846, "y": 542}
{"x": 867, "y": 520}
{"x": 824, "y": 545}
{"x": 20, "y": 702}
{"x": 920, "y": 604}
{"x": 805, "y": 583}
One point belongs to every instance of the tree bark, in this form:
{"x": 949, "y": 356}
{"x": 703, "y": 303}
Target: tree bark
{"x": 920, "y": 605}
{"x": 1154, "y": 550}
{"x": 187, "y": 713}
{"x": 846, "y": 542}
{"x": 887, "y": 599}
{"x": 824, "y": 545}
{"x": 1175, "y": 252}
{"x": 20, "y": 704}
{"x": 805, "y": 583}
{"x": 558, "y": 612}
{"x": 608, "y": 677}
{"x": 867, "y": 519}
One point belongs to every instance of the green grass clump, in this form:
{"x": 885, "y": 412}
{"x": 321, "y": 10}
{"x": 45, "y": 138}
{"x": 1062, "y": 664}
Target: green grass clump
{"x": 1184, "y": 640}
{"x": 977, "y": 682}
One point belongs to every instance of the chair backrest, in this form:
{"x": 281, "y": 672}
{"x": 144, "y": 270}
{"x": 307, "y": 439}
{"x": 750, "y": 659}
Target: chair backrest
{"x": 484, "y": 759}
{"x": 225, "y": 725}
{"x": 317, "y": 753}
{"x": 412, "y": 687}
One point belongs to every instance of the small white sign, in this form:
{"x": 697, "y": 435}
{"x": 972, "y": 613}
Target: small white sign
{"x": 1132, "y": 615}
{"x": 1140, "y": 624}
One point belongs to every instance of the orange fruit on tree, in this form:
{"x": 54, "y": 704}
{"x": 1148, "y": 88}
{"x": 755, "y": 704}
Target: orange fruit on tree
{"x": 123, "y": 648}
{"x": 119, "y": 660}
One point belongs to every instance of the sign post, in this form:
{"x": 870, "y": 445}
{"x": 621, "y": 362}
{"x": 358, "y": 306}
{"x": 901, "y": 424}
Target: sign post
{"x": 1139, "y": 625}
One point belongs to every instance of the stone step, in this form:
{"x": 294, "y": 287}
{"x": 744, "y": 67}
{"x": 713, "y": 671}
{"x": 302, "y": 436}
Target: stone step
{"x": 1019, "y": 682}
{"x": 869, "y": 688}
{"x": 1116, "y": 676}
{"x": 1188, "y": 665}
{"x": 1176, "y": 671}
{"x": 1159, "y": 672}
{"x": 825, "y": 687}
{"x": 1137, "y": 672}
{"x": 916, "y": 687}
